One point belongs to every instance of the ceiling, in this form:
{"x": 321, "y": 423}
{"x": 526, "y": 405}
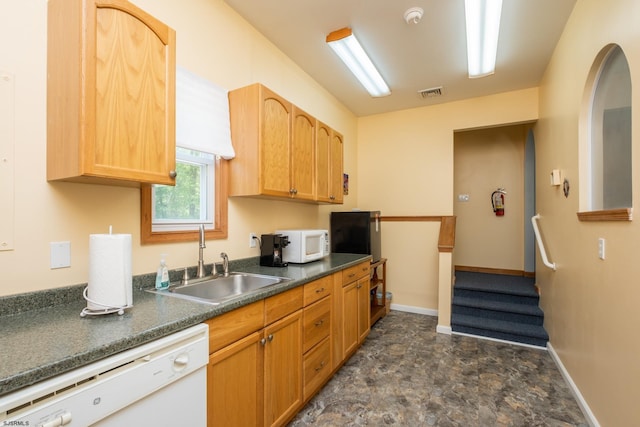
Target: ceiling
{"x": 411, "y": 57}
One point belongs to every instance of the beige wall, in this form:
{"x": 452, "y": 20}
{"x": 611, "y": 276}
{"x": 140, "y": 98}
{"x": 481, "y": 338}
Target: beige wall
{"x": 213, "y": 41}
{"x": 590, "y": 304}
{"x": 485, "y": 160}
{"x": 405, "y": 168}
{"x": 400, "y": 163}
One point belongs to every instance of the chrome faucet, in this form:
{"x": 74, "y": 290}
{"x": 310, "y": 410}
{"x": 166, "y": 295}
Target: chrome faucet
{"x": 200, "y": 256}
{"x": 225, "y": 264}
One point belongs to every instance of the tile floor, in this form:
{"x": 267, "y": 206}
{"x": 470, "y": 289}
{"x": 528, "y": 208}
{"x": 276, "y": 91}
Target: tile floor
{"x": 405, "y": 374}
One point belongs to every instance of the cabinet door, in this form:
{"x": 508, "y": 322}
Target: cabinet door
{"x": 323, "y": 162}
{"x": 275, "y": 135}
{"x": 350, "y": 316}
{"x": 336, "y": 194}
{"x": 364, "y": 308}
{"x": 337, "y": 322}
{"x": 303, "y": 155}
{"x": 234, "y": 384}
{"x": 123, "y": 126}
{"x": 283, "y": 369}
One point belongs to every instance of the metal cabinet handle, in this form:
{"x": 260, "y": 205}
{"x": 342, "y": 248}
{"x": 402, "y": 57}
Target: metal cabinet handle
{"x": 270, "y": 337}
{"x": 319, "y": 322}
{"x": 319, "y": 290}
{"x": 263, "y": 341}
{"x": 173, "y": 174}
{"x": 358, "y": 286}
{"x": 320, "y": 367}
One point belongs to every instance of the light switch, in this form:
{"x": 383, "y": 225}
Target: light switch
{"x": 601, "y": 248}
{"x": 463, "y": 197}
{"x": 556, "y": 177}
{"x": 60, "y": 254}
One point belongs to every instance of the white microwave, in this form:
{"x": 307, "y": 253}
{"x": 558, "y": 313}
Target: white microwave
{"x": 305, "y": 245}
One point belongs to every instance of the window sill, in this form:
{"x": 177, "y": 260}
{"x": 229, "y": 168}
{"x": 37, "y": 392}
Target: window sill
{"x": 624, "y": 214}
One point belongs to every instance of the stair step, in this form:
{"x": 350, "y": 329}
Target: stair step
{"x": 512, "y": 307}
{"x": 498, "y": 306}
{"x": 496, "y": 296}
{"x": 496, "y": 283}
{"x": 499, "y": 310}
{"x": 500, "y": 329}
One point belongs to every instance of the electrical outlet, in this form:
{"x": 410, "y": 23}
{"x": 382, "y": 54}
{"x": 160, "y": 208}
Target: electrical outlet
{"x": 601, "y": 248}
{"x": 252, "y": 240}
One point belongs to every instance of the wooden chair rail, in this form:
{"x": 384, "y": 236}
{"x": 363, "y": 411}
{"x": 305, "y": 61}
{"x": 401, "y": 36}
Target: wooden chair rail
{"x": 447, "y": 237}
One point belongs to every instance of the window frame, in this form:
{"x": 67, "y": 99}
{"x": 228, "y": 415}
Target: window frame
{"x": 586, "y": 176}
{"x": 207, "y": 200}
{"x": 220, "y": 213}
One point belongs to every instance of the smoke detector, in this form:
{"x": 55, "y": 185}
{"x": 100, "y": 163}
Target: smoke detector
{"x": 413, "y": 15}
{"x": 431, "y": 92}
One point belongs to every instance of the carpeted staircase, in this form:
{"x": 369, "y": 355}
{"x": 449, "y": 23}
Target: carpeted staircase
{"x": 498, "y": 306}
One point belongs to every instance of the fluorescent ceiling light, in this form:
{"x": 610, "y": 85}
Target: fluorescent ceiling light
{"x": 483, "y": 26}
{"x": 346, "y": 46}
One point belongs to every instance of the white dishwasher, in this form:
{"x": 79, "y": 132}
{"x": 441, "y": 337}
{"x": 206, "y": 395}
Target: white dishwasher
{"x": 162, "y": 383}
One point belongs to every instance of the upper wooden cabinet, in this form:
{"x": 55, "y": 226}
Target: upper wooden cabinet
{"x": 329, "y": 151}
{"x": 110, "y": 94}
{"x": 276, "y": 147}
{"x": 303, "y": 155}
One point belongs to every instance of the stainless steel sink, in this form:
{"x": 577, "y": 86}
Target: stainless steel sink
{"x": 217, "y": 290}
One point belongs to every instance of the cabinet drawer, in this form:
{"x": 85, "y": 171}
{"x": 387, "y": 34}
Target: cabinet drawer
{"x": 281, "y": 305}
{"x": 236, "y": 324}
{"x": 316, "y": 290}
{"x": 353, "y": 273}
{"x": 317, "y": 323}
{"x": 317, "y": 367}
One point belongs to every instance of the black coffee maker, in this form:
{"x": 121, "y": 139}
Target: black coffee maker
{"x": 271, "y": 250}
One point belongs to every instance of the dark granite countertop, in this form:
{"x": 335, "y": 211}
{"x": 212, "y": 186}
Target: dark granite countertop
{"x": 43, "y": 334}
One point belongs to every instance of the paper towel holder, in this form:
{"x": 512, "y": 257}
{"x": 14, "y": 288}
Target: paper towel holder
{"x": 122, "y": 242}
{"x": 96, "y": 312}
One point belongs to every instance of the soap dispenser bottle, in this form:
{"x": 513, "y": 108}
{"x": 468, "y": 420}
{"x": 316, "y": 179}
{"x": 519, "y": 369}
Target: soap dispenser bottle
{"x": 162, "y": 277}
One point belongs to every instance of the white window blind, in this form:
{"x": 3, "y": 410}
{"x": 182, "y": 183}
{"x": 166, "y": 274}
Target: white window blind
{"x": 202, "y": 115}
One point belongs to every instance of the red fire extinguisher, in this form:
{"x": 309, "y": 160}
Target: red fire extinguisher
{"x": 497, "y": 201}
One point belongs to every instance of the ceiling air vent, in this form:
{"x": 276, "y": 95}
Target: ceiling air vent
{"x": 430, "y": 93}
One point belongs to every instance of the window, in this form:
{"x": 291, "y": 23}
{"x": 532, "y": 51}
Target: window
{"x": 216, "y": 229}
{"x": 608, "y": 131}
{"x": 190, "y": 202}
{"x": 174, "y": 213}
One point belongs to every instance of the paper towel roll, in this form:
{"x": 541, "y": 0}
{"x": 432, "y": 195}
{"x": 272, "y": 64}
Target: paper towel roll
{"x": 110, "y": 279}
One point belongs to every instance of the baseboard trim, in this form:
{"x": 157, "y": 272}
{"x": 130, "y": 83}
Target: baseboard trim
{"x": 443, "y": 329}
{"x": 584, "y": 407}
{"x": 416, "y": 310}
{"x": 424, "y": 311}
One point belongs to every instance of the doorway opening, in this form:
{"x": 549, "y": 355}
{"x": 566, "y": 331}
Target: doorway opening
{"x": 486, "y": 160}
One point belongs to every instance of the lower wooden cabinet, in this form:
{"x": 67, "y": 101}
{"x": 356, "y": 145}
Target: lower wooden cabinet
{"x": 283, "y": 369}
{"x": 317, "y": 367}
{"x": 234, "y": 384}
{"x": 316, "y": 345}
{"x": 270, "y": 357}
{"x": 364, "y": 308}
{"x": 257, "y": 380}
{"x": 355, "y": 308}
